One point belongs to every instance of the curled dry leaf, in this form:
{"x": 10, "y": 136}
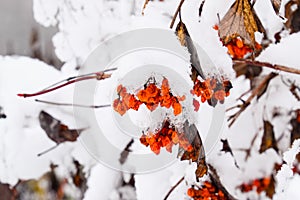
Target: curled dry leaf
{"x": 185, "y": 40}
{"x": 125, "y": 152}
{"x": 293, "y": 16}
{"x": 197, "y": 154}
{"x": 268, "y": 139}
{"x": 276, "y": 5}
{"x": 240, "y": 21}
{"x": 57, "y": 131}
{"x": 79, "y": 178}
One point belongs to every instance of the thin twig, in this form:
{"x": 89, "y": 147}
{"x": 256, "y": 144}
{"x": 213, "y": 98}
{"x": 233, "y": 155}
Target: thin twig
{"x": 47, "y": 150}
{"x": 79, "y": 76}
{"x": 269, "y": 65}
{"x": 97, "y": 76}
{"x": 70, "y": 104}
{"x": 176, "y": 13}
{"x": 255, "y": 92}
{"x": 173, "y": 188}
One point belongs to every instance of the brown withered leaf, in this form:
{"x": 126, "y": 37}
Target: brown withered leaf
{"x": 295, "y": 122}
{"x": 293, "y": 16}
{"x": 185, "y": 40}
{"x": 197, "y": 154}
{"x": 268, "y": 139}
{"x": 240, "y": 21}
{"x": 276, "y": 5}
{"x": 2, "y": 114}
{"x": 57, "y": 131}
{"x": 249, "y": 71}
{"x": 125, "y": 152}
{"x": 295, "y": 132}
{"x": 7, "y": 192}
{"x": 79, "y": 178}
{"x": 226, "y": 148}
{"x": 270, "y": 190}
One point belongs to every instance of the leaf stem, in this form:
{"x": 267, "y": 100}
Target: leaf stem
{"x": 176, "y": 13}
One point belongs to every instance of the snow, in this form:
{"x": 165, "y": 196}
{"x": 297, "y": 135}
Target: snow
{"x": 83, "y": 25}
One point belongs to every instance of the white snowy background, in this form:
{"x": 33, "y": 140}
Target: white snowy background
{"x": 84, "y": 24}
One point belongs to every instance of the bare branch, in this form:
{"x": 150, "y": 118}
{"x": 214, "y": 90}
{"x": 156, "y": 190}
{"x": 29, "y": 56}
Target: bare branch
{"x": 70, "y": 104}
{"x": 269, "y": 65}
{"x": 173, "y": 188}
{"x": 255, "y": 92}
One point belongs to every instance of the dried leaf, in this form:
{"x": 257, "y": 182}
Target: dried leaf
{"x": 249, "y": 71}
{"x": 125, "y": 152}
{"x": 240, "y": 21}
{"x": 49, "y": 186}
{"x": 276, "y": 5}
{"x": 197, "y": 154}
{"x": 57, "y": 131}
{"x": 270, "y": 190}
{"x": 2, "y": 114}
{"x": 79, "y": 178}
{"x": 268, "y": 139}
{"x": 293, "y": 16}
{"x": 226, "y": 148}
{"x": 185, "y": 40}
{"x": 7, "y": 193}
{"x": 295, "y": 122}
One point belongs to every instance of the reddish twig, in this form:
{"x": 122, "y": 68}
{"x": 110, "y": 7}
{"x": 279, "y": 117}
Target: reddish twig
{"x": 173, "y": 188}
{"x": 269, "y": 65}
{"x": 97, "y": 76}
{"x": 176, "y": 13}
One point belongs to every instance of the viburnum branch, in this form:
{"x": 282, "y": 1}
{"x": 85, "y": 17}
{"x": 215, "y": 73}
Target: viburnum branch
{"x": 70, "y": 104}
{"x": 269, "y": 65}
{"x": 176, "y": 13}
{"x": 98, "y": 76}
{"x": 79, "y": 76}
{"x": 255, "y": 92}
{"x": 173, "y": 188}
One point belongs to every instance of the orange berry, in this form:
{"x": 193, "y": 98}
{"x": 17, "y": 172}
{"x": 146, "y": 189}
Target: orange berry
{"x": 239, "y": 43}
{"x": 177, "y": 109}
{"x": 220, "y": 95}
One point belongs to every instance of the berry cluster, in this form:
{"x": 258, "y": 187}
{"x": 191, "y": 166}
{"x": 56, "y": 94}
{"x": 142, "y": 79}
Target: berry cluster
{"x": 210, "y": 90}
{"x": 166, "y": 137}
{"x": 152, "y": 96}
{"x": 207, "y": 191}
{"x": 237, "y": 49}
{"x": 259, "y": 185}
{"x": 125, "y": 101}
